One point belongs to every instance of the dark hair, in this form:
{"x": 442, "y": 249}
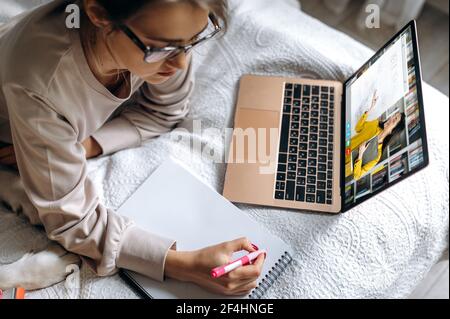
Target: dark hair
{"x": 397, "y": 130}
{"x": 121, "y": 10}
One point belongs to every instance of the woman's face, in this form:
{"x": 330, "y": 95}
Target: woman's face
{"x": 158, "y": 26}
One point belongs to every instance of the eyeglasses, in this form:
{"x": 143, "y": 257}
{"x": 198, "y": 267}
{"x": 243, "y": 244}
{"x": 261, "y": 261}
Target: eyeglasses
{"x": 152, "y": 55}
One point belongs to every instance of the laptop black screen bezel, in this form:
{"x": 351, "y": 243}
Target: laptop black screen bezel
{"x": 417, "y": 65}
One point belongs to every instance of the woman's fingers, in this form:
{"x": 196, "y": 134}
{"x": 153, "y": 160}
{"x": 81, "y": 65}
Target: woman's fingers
{"x": 363, "y": 146}
{"x": 240, "y": 244}
{"x": 248, "y": 272}
{"x": 245, "y": 289}
{"x": 242, "y": 279}
{"x": 245, "y": 273}
{"x": 231, "y": 287}
{"x": 260, "y": 260}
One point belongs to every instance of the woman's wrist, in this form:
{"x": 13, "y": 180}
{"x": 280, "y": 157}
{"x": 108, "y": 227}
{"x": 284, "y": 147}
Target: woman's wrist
{"x": 96, "y": 149}
{"x": 178, "y": 265}
{"x": 93, "y": 149}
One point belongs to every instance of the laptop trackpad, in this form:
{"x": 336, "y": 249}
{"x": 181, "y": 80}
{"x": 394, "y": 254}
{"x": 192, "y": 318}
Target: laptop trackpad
{"x": 261, "y": 130}
{"x": 253, "y": 155}
{"x": 261, "y": 93}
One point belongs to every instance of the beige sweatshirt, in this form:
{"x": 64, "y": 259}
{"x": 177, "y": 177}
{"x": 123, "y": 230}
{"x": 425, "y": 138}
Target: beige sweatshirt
{"x": 49, "y": 103}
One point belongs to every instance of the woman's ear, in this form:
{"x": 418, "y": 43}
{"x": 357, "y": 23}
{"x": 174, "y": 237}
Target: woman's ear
{"x": 96, "y": 14}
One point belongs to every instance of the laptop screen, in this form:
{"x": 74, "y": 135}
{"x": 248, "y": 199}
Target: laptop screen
{"x": 385, "y": 138}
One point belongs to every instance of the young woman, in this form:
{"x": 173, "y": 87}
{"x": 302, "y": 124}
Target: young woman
{"x": 366, "y": 131}
{"x": 62, "y": 100}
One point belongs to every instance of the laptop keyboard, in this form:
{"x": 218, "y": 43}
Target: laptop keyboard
{"x": 305, "y": 162}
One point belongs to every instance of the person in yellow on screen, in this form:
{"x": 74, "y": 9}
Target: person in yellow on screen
{"x": 367, "y": 131}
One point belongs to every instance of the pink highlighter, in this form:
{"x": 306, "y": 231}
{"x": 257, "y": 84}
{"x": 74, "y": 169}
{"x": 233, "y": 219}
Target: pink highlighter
{"x": 245, "y": 260}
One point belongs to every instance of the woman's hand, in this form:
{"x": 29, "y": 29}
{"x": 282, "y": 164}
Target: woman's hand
{"x": 362, "y": 148}
{"x": 374, "y": 101}
{"x": 196, "y": 267}
{"x": 93, "y": 149}
{"x": 8, "y": 156}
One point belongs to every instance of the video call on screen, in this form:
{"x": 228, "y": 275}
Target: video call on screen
{"x": 383, "y": 139}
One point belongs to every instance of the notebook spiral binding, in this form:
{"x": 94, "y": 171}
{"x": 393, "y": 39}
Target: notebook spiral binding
{"x": 271, "y": 276}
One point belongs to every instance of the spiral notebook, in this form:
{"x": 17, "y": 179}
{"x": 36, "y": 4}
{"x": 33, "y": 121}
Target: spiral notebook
{"x": 176, "y": 204}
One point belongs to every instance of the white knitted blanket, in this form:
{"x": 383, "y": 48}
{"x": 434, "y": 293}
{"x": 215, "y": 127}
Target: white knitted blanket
{"x": 381, "y": 249}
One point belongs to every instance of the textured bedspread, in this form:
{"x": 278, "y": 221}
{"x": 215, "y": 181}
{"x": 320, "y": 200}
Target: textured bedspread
{"x": 381, "y": 249}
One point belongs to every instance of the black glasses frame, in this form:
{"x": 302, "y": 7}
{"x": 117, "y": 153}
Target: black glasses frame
{"x": 171, "y": 51}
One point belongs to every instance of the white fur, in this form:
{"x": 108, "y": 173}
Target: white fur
{"x": 38, "y": 270}
{"x": 33, "y": 270}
